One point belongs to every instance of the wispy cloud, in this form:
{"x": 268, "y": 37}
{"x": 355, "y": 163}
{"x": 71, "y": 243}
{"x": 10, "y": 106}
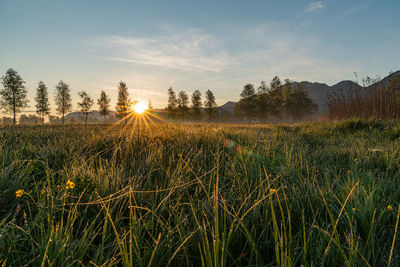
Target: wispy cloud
{"x": 313, "y": 6}
{"x": 355, "y": 9}
{"x": 189, "y": 50}
{"x": 192, "y": 59}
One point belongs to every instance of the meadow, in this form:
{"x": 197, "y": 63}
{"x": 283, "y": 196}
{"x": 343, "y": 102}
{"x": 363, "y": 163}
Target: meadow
{"x": 308, "y": 194}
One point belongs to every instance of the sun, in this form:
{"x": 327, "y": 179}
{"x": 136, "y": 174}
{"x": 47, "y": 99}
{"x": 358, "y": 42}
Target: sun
{"x": 140, "y": 107}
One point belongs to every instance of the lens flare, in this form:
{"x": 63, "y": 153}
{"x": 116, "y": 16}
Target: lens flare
{"x": 140, "y": 107}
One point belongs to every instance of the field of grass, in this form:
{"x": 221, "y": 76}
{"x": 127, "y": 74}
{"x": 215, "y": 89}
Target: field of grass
{"x": 207, "y": 194}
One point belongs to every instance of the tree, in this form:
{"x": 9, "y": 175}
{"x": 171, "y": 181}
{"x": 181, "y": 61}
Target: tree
{"x": 13, "y": 96}
{"x": 149, "y": 107}
{"x": 210, "y": 105}
{"x": 247, "y": 104}
{"x": 287, "y": 98}
{"x": 276, "y": 96}
{"x": 172, "y": 103}
{"x": 6, "y": 121}
{"x": 53, "y": 119}
{"x": 63, "y": 99}
{"x": 263, "y": 102}
{"x": 183, "y": 102}
{"x": 196, "y": 105}
{"x": 301, "y": 104}
{"x": 42, "y": 101}
{"x": 123, "y": 106}
{"x": 104, "y": 105}
{"x": 85, "y": 105}
{"x": 29, "y": 119}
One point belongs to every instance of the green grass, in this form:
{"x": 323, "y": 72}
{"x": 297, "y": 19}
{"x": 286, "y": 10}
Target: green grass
{"x": 207, "y": 194}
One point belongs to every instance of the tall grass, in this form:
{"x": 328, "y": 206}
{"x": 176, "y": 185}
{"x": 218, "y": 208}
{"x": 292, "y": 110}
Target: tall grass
{"x": 374, "y": 100}
{"x": 209, "y": 195}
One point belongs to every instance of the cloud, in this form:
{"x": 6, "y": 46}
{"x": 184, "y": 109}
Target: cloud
{"x": 190, "y": 59}
{"x": 189, "y": 50}
{"x": 353, "y": 10}
{"x": 313, "y": 6}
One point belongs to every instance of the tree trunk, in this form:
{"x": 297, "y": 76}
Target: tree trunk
{"x": 105, "y": 119}
{"x": 86, "y": 119}
{"x": 63, "y": 117}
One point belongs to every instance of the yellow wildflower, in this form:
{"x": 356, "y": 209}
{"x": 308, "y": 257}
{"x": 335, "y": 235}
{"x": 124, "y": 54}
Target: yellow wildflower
{"x": 272, "y": 190}
{"x": 348, "y": 171}
{"x": 389, "y": 208}
{"x": 69, "y": 185}
{"x": 19, "y": 193}
{"x": 354, "y": 209}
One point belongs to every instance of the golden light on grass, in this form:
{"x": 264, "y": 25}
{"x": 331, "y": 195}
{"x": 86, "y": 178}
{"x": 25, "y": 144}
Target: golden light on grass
{"x": 140, "y": 107}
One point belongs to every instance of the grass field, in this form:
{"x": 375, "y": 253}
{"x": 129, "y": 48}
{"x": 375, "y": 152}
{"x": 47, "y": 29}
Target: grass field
{"x": 206, "y": 194}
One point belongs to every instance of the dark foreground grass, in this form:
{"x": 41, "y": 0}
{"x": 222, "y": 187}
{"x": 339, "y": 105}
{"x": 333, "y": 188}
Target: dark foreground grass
{"x": 192, "y": 195}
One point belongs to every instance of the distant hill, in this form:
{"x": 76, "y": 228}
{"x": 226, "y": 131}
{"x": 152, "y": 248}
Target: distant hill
{"x": 319, "y": 91}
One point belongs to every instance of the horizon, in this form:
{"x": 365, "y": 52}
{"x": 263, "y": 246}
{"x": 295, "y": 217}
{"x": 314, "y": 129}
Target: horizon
{"x": 190, "y": 46}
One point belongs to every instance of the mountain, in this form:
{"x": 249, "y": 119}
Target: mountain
{"x": 228, "y": 107}
{"x": 319, "y": 91}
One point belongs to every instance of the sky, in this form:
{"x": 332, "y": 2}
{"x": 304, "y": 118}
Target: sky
{"x": 194, "y": 45}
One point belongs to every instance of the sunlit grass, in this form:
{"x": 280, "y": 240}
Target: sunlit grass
{"x": 200, "y": 194}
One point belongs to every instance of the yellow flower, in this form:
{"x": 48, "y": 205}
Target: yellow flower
{"x": 389, "y": 208}
{"x": 19, "y": 193}
{"x": 69, "y": 185}
{"x": 272, "y": 190}
{"x": 354, "y": 209}
{"x": 348, "y": 171}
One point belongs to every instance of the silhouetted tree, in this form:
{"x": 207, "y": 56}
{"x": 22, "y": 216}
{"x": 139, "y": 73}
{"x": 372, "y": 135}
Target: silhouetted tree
{"x": 196, "y": 105}
{"x": 287, "y": 99}
{"x": 63, "y": 99}
{"x": 6, "y": 121}
{"x": 246, "y": 107}
{"x": 86, "y": 104}
{"x": 210, "y": 105}
{"x": 172, "y": 103}
{"x": 276, "y": 96}
{"x": 104, "y": 105}
{"x": 13, "y": 96}
{"x": 123, "y": 106}
{"x": 29, "y": 119}
{"x": 42, "y": 101}
{"x": 53, "y": 119}
{"x": 183, "y": 102}
{"x": 300, "y": 103}
{"x": 263, "y": 102}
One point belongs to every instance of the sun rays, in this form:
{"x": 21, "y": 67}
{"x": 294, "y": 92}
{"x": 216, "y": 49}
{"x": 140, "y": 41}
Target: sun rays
{"x": 138, "y": 117}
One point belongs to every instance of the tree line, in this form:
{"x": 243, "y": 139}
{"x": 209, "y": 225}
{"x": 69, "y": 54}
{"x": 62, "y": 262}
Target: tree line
{"x": 179, "y": 108}
{"x": 13, "y": 100}
{"x": 276, "y": 101}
